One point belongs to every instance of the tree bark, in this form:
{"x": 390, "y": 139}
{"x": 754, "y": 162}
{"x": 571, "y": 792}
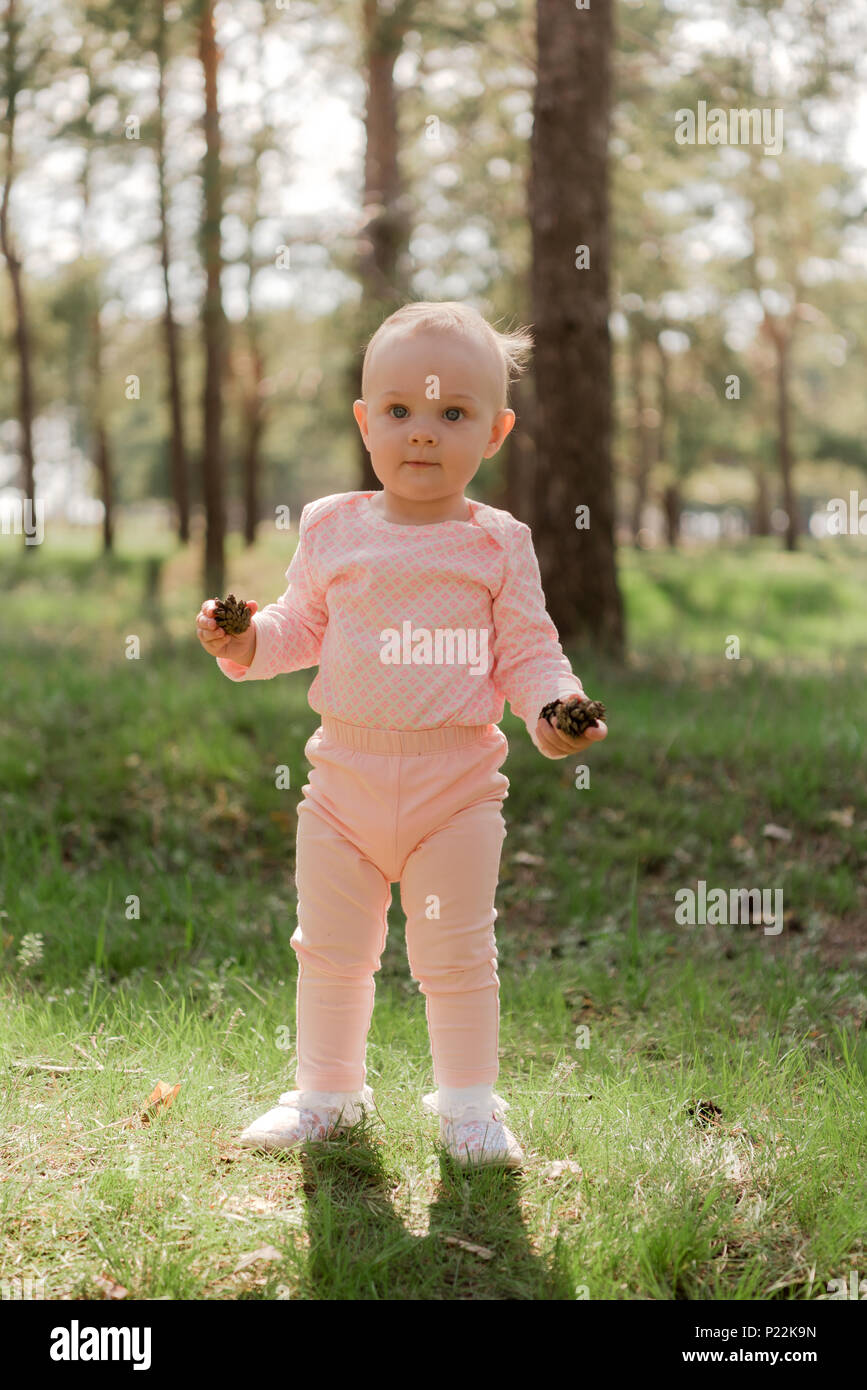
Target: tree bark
{"x": 254, "y": 426}
{"x": 98, "y": 431}
{"x": 761, "y": 504}
{"x": 383, "y": 238}
{"x": 22, "y": 322}
{"x": 177, "y": 450}
{"x": 569, "y": 207}
{"x": 99, "y": 434}
{"x": 672, "y": 506}
{"x": 646, "y": 434}
{"x": 213, "y": 319}
{"x": 790, "y": 501}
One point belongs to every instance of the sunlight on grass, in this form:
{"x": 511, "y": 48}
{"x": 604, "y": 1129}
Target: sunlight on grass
{"x": 154, "y": 780}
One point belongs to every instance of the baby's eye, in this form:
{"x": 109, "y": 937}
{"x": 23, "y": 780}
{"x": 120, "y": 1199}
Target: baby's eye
{"x": 399, "y": 407}
{"x": 453, "y": 413}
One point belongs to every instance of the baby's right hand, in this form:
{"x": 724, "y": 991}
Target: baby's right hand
{"x": 217, "y": 643}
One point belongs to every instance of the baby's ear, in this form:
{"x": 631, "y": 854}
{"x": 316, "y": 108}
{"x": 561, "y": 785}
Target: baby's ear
{"x": 502, "y": 425}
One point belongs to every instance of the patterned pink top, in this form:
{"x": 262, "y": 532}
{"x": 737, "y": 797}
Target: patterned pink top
{"x": 413, "y": 627}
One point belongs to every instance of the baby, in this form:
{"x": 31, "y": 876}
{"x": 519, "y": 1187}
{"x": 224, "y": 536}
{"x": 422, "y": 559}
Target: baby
{"x": 423, "y": 610}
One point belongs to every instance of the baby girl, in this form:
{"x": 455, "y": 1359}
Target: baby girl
{"x": 423, "y": 610}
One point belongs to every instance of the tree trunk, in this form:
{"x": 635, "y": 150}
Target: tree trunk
{"x": 179, "y": 475}
{"x": 790, "y": 501}
{"x": 646, "y": 443}
{"x": 383, "y": 237}
{"x": 213, "y": 320}
{"x": 97, "y": 428}
{"x": 761, "y": 504}
{"x": 22, "y": 322}
{"x": 99, "y": 434}
{"x": 569, "y": 206}
{"x": 254, "y": 426}
{"x": 671, "y": 506}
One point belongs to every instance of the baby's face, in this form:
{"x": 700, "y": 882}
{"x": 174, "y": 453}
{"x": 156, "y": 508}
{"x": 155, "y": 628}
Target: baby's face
{"x": 432, "y": 396}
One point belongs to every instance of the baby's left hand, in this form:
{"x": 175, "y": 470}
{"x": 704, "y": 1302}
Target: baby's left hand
{"x": 554, "y": 743}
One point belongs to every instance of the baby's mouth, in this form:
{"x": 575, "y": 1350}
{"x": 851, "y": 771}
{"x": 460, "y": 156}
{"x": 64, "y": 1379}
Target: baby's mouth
{"x": 421, "y": 463}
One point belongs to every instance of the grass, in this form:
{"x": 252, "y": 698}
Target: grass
{"x": 149, "y": 852}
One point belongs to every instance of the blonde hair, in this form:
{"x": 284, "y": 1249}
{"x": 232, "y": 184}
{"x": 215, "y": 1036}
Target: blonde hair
{"x": 513, "y": 348}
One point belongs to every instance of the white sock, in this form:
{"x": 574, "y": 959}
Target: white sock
{"x": 454, "y": 1097}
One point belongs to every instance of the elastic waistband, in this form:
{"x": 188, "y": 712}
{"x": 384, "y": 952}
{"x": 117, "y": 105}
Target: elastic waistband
{"x": 404, "y": 740}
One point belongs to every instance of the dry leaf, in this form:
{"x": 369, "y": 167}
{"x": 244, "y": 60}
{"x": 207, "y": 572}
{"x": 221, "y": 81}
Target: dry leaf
{"x": 845, "y": 817}
{"x": 110, "y": 1287}
{"x": 561, "y": 1166}
{"x": 159, "y": 1099}
{"x": 523, "y": 856}
{"x": 265, "y": 1252}
{"x": 776, "y": 832}
{"x": 473, "y": 1249}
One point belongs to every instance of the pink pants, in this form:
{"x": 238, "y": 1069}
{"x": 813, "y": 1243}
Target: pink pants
{"x": 421, "y": 808}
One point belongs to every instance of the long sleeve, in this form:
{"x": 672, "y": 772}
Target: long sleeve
{"x": 530, "y": 668}
{"x": 289, "y": 632}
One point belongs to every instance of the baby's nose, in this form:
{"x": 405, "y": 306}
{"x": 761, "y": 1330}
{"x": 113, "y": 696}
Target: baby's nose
{"x": 423, "y": 432}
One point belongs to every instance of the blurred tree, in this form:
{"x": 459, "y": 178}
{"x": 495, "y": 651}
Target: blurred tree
{"x": 123, "y": 28}
{"x": 89, "y": 300}
{"x": 255, "y": 138}
{"x": 213, "y": 316}
{"x": 177, "y": 446}
{"x": 20, "y": 72}
{"x": 796, "y": 205}
{"x": 383, "y": 231}
{"x": 569, "y": 211}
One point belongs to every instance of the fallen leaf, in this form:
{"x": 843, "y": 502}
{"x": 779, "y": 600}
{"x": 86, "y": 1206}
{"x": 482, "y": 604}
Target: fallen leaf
{"x": 523, "y": 856}
{"x": 561, "y": 1166}
{"x": 845, "y": 817}
{"x": 110, "y": 1287}
{"x": 473, "y": 1249}
{"x": 776, "y": 832}
{"x": 159, "y": 1099}
{"x": 265, "y": 1252}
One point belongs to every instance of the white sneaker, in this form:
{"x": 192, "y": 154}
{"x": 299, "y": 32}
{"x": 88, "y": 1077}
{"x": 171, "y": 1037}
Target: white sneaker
{"x": 475, "y": 1137}
{"x": 303, "y": 1116}
{"x": 475, "y": 1143}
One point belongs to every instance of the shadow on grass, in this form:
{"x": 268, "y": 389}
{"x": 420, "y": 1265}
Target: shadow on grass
{"x": 360, "y": 1249}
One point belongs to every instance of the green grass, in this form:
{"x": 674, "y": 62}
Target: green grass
{"x": 153, "y": 779}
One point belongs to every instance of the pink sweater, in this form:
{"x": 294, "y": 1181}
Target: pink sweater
{"x": 413, "y": 627}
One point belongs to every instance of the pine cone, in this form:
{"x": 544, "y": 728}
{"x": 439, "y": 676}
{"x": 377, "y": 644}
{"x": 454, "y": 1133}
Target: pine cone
{"x": 232, "y": 615}
{"x": 575, "y": 715}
